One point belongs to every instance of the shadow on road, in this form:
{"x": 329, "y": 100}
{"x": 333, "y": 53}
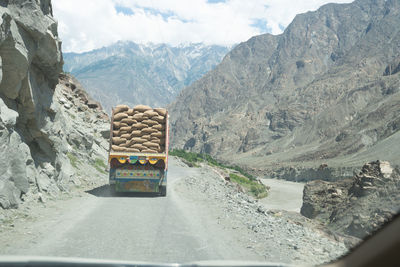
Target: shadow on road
{"x": 109, "y": 191}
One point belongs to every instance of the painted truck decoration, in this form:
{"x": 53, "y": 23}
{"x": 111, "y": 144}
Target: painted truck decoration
{"x": 138, "y": 155}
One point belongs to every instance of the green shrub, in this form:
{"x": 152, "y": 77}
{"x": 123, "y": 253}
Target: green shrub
{"x": 247, "y": 180}
{"x": 193, "y": 157}
{"x": 256, "y": 189}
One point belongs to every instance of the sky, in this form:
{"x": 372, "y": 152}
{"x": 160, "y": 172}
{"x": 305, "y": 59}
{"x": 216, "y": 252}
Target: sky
{"x": 84, "y": 25}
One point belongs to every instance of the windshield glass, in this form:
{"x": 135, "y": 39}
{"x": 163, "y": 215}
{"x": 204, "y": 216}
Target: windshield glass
{"x": 185, "y": 131}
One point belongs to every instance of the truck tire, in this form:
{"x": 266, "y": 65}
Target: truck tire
{"x": 163, "y": 190}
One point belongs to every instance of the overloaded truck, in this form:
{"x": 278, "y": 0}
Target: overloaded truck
{"x": 138, "y": 154}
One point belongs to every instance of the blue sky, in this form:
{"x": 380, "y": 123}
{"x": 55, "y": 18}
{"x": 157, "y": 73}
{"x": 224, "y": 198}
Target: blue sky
{"x": 98, "y": 23}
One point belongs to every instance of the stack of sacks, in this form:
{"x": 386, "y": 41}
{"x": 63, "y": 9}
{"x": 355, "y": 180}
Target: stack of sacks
{"x": 141, "y": 129}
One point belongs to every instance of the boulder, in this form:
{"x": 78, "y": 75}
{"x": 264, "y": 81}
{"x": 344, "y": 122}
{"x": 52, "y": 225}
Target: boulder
{"x": 93, "y": 104}
{"x": 355, "y": 206}
{"x": 104, "y": 131}
{"x": 7, "y": 116}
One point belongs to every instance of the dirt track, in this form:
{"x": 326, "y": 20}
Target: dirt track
{"x": 202, "y": 218}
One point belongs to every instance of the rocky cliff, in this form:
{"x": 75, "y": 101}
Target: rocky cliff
{"x": 356, "y": 206}
{"x": 49, "y": 127}
{"x": 326, "y": 92}
{"x": 132, "y": 74}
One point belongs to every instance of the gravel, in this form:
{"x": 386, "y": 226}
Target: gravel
{"x": 277, "y": 235}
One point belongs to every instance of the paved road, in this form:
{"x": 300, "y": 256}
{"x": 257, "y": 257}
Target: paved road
{"x": 283, "y": 195}
{"x": 156, "y": 229}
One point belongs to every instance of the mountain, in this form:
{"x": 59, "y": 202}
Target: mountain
{"x": 52, "y": 134}
{"x": 130, "y": 73}
{"x": 325, "y": 93}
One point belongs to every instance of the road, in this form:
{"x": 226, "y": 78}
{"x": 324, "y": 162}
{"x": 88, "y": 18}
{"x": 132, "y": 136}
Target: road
{"x": 141, "y": 228}
{"x": 283, "y": 195}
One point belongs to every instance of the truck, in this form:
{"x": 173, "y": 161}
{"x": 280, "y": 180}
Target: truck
{"x": 138, "y": 154}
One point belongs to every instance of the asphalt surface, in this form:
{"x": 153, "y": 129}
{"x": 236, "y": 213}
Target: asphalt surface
{"x": 102, "y": 225}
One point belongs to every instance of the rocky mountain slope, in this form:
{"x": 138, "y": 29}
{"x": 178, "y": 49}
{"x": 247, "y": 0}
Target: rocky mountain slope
{"x": 326, "y": 93}
{"x": 132, "y": 74}
{"x": 356, "y": 206}
{"x": 51, "y": 132}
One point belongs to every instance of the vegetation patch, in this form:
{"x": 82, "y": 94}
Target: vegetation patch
{"x": 194, "y": 158}
{"x": 73, "y": 160}
{"x": 253, "y": 187}
{"x": 99, "y": 165}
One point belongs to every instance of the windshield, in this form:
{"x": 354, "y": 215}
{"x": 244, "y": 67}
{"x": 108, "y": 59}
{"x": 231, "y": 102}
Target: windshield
{"x": 195, "y": 131}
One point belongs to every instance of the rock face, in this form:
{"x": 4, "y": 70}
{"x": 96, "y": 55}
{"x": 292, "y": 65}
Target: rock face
{"x": 327, "y": 90}
{"x": 39, "y": 131}
{"x": 133, "y": 74}
{"x": 356, "y": 206}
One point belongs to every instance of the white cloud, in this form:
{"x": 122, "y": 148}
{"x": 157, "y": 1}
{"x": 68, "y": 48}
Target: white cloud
{"x": 88, "y": 24}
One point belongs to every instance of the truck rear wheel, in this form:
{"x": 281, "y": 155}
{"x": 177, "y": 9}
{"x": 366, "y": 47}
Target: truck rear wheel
{"x": 163, "y": 190}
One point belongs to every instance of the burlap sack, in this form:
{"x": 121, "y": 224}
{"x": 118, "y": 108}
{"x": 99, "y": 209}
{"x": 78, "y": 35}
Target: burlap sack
{"x": 123, "y": 124}
{"x": 160, "y": 119}
{"x": 155, "y": 140}
{"x": 149, "y": 151}
{"x": 130, "y": 112}
{"x": 127, "y": 121}
{"x": 138, "y": 140}
{"x": 130, "y": 149}
{"x": 123, "y": 132}
{"x": 150, "y": 113}
{"x": 158, "y": 127}
{"x": 125, "y": 128}
{"x": 161, "y": 111}
{"x": 115, "y": 133}
{"x": 118, "y": 140}
{"x": 142, "y": 108}
{"x": 157, "y": 134}
{"x": 151, "y": 145}
{"x": 120, "y": 116}
{"x": 149, "y": 130}
{"x": 124, "y": 145}
{"x": 149, "y": 122}
{"x": 127, "y": 136}
{"x": 138, "y": 117}
{"x": 116, "y": 125}
{"x": 136, "y": 133}
{"x": 120, "y": 108}
{"x": 139, "y": 126}
{"x": 117, "y": 148}
{"x": 146, "y": 136}
{"x": 138, "y": 146}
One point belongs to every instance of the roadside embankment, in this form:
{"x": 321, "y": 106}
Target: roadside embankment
{"x": 357, "y": 206}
